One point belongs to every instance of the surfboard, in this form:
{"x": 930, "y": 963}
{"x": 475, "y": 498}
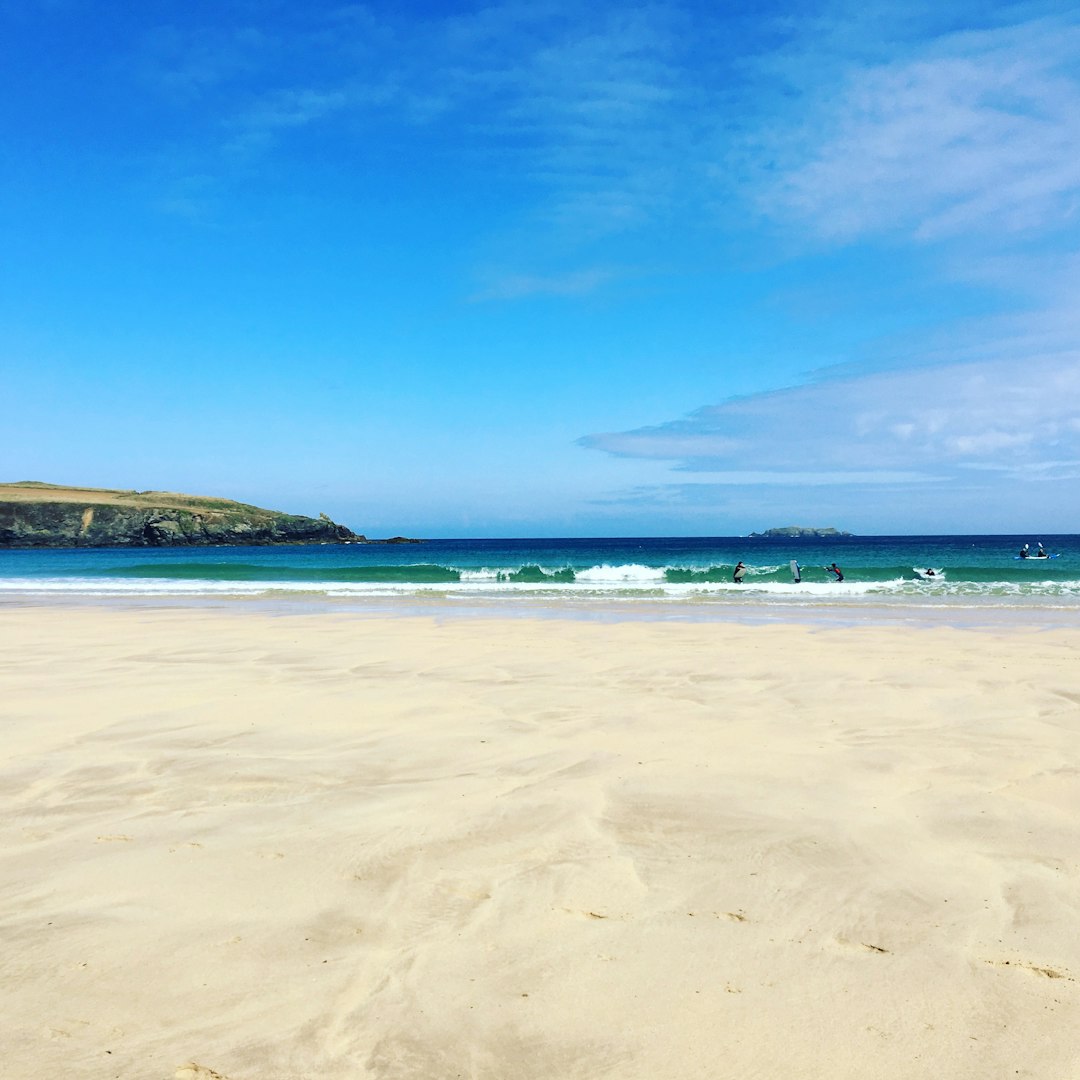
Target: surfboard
{"x": 796, "y": 571}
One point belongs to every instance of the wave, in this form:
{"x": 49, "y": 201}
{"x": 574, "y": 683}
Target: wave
{"x": 612, "y": 582}
{"x": 420, "y": 573}
{"x": 602, "y": 574}
{"x": 668, "y": 571}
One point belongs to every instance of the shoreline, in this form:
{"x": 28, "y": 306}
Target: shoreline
{"x": 331, "y": 844}
{"x": 982, "y": 613}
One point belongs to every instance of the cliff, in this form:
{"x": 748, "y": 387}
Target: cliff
{"x": 804, "y": 531}
{"x": 34, "y": 514}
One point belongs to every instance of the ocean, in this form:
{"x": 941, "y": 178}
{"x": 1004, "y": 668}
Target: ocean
{"x": 677, "y": 573}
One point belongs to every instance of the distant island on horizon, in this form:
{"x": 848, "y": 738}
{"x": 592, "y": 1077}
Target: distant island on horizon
{"x": 38, "y": 514}
{"x": 801, "y": 531}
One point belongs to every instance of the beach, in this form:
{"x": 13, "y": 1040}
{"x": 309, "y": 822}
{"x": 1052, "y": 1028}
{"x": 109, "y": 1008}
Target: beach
{"x": 272, "y": 844}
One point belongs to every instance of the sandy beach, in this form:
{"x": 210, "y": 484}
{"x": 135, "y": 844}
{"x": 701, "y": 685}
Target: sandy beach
{"x": 332, "y": 845}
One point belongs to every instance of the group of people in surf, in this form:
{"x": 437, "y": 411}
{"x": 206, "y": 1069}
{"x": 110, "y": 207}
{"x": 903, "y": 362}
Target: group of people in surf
{"x": 796, "y": 572}
{"x": 1025, "y": 552}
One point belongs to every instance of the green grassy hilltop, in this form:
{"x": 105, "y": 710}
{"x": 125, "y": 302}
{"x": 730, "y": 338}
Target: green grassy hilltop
{"x": 36, "y": 514}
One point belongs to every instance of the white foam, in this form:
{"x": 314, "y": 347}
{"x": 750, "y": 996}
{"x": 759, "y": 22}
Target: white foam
{"x": 154, "y": 587}
{"x": 483, "y": 574}
{"x": 622, "y": 581}
{"x": 631, "y": 572}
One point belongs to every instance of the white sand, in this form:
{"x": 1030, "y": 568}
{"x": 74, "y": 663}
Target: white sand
{"x": 335, "y": 846}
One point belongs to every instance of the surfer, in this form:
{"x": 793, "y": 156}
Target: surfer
{"x": 835, "y": 570}
{"x": 930, "y": 572}
{"x": 1041, "y": 553}
{"x": 740, "y": 573}
{"x": 1024, "y": 552}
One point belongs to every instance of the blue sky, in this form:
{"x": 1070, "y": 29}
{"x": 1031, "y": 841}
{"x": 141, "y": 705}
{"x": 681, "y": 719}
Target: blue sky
{"x": 542, "y": 269}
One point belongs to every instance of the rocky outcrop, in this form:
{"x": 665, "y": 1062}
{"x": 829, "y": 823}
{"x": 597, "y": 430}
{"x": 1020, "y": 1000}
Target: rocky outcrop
{"x": 44, "y": 515}
{"x": 803, "y": 531}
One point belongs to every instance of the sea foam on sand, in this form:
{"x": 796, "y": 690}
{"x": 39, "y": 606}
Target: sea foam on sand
{"x": 331, "y": 845}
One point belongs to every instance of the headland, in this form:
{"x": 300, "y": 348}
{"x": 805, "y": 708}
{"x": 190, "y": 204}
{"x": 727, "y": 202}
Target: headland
{"x": 35, "y": 514}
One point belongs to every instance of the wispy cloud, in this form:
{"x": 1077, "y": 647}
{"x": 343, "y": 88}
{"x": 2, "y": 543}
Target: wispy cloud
{"x": 975, "y": 131}
{"x": 187, "y": 64}
{"x": 969, "y": 144}
{"x": 895, "y": 427}
{"x": 835, "y": 477}
{"x": 618, "y": 116}
{"x": 277, "y": 112}
{"x": 521, "y": 286}
{"x": 588, "y": 105}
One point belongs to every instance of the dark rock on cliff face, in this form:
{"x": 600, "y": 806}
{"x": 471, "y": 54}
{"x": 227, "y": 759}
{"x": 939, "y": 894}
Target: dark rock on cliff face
{"x": 39, "y": 515}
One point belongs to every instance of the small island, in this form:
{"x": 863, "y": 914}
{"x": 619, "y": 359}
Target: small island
{"x": 802, "y": 532}
{"x": 35, "y": 514}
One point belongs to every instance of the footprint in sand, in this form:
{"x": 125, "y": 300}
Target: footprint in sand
{"x": 1037, "y": 969}
{"x": 193, "y": 1071}
{"x": 869, "y": 946}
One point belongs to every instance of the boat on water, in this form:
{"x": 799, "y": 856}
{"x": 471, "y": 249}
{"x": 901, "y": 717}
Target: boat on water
{"x": 1041, "y": 554}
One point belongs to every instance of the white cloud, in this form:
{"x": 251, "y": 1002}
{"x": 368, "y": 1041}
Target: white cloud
{"x": 890, "y": 426}
{"x": 781, "y": 478}
{"x": 979, "y": 131}
{"x": 617, "y": 114}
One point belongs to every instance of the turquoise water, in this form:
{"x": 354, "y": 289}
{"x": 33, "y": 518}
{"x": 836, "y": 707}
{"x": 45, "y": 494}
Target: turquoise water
{"x": 676, "y": 570}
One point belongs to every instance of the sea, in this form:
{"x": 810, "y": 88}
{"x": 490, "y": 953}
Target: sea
{"x": 667, "y": 576}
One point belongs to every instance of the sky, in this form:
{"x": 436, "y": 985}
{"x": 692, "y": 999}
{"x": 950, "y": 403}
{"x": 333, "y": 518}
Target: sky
{"x": 547, "y": 268}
